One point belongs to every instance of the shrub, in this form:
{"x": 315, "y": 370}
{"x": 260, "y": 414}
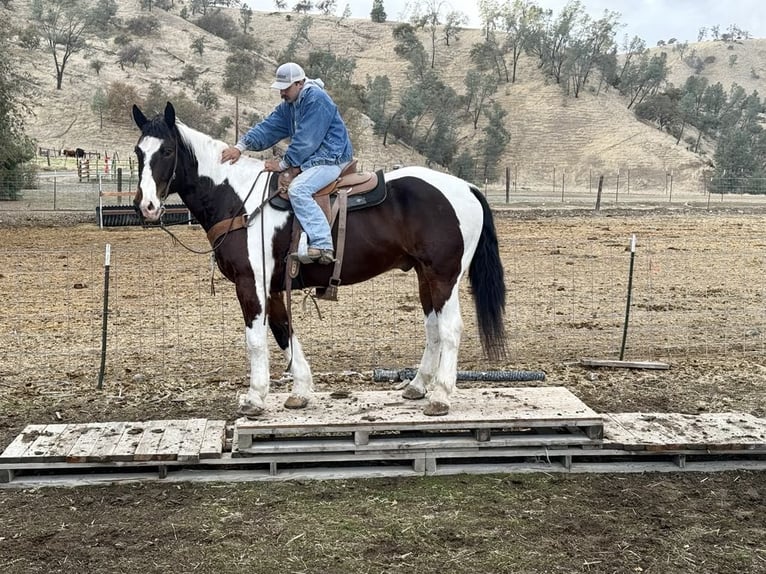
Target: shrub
{"x": 219, "y": 24}
{"x": 142, "y": 25}
{"x": 120, "y": 98}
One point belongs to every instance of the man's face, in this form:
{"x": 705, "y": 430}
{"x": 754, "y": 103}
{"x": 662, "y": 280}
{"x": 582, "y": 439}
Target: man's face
{"x": 290, "y": 94}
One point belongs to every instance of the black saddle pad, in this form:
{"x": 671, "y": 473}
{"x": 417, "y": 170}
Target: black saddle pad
{"x": 360, "y": 201}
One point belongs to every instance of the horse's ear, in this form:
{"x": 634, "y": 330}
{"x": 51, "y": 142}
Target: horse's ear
{"x": 139, "y": 117}
{"x": 170, "y": 114}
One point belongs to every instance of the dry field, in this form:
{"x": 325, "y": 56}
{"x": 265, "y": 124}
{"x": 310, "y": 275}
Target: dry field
{"x": 698, "y": 304}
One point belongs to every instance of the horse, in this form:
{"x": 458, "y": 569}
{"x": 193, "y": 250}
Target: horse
{"x": 431, "y": 222}
{"x": 79, "y": 153}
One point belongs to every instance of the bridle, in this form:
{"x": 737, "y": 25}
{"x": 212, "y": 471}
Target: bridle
{"x": 218, "y": 241}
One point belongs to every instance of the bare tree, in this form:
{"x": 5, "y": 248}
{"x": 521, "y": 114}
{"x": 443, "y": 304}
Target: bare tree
{"x": 428, "y": 16}
{"x": 62, "y": 24}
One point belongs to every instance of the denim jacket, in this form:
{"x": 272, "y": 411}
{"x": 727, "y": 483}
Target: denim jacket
{"x": 317, "y": 133}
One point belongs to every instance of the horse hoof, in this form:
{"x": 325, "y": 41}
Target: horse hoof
{"x": 412, "y": 393}
{"x": 250, "y": 411}
{"x": 436, "y": 409}
{"x": 296, "y": 402}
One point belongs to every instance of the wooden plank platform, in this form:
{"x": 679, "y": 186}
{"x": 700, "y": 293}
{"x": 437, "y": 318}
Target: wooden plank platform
{"x": 366, "y": 435}
{"x": 484, "y": 412}
{"x": 92, "y": 445}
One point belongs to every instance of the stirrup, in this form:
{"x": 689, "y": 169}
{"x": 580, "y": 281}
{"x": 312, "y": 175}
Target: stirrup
{"x": 321, "y": 256}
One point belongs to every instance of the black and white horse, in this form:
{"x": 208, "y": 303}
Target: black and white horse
{"x": 431, "y": 222}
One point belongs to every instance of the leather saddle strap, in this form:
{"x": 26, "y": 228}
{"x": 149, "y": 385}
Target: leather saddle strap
{"x": 225, "y": 226}
{"x": 292, "y": 267}
{"x": 342, "y": 205}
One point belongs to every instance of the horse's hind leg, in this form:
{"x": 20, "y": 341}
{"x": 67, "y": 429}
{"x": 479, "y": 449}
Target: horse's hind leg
{"x": 303, "y": 385}
{"x": 450, "y": 327}
{"x": 438, "y": 367}
{"x": 418, "y": 387}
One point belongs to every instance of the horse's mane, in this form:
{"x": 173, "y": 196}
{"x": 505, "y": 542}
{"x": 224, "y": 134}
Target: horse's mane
{"x": 206, "y": 149}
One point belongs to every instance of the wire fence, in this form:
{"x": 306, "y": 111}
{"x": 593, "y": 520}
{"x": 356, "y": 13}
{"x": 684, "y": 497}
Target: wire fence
{"x": 79, "y": 184}
{"x": 566, "y": 300}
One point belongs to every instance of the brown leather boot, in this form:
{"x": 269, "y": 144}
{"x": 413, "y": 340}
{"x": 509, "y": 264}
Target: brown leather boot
{"x": 321, "y": 256}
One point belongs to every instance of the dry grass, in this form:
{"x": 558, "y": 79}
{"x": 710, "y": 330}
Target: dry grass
{"x": 549, "y": 130}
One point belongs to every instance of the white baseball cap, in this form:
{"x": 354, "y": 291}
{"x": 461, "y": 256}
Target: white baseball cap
{"x": 287, "y": 74}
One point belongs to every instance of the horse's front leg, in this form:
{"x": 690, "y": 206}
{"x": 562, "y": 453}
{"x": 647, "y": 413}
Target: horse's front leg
{"x": 303, "y": 382}
{"x": 255, "y": 336}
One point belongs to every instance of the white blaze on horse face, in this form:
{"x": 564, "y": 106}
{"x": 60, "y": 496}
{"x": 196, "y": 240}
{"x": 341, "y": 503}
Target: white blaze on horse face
{"x": 150, "y": 201}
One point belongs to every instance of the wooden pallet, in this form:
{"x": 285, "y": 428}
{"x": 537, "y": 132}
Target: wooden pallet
{"x": 113, "y": 444}
{"x": 376, "y": 420}
{"x": 366, "y": 435}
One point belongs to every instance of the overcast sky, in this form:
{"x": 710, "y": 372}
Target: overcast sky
{"x": 651, "y": 20}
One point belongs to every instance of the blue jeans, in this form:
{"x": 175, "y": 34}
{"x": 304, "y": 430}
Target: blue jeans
{"x": 306, "y": 209}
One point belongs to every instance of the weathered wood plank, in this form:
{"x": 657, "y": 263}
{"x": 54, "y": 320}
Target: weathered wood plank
{"x": 150, "y": 440}
{"x": 86, "y": 442}
{"x": 14, "y": 452}
{"x": 107, "y": 441}
{"x": 60, "y": 447}
{"x": 676, "y": 431}
{"x": 171, "y": 441}
{"x": 624, "y": 364}
{"x": 128, "y": 442}
{"x": 39, "y": 449}
{"x": 214, "y": 440}
{"x": 194, "y": 434}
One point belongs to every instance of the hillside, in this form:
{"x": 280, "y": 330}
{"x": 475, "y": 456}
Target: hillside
{"x": 551, "y": 133}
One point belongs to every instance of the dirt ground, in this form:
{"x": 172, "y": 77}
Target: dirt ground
{"x": 692, "y": 522}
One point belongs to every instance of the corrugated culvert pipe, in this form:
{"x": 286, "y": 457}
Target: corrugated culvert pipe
{"x": 391, "y": 375}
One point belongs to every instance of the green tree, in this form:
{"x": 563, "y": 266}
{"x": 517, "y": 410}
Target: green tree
{"x": 303, "y": 6}
{"x": 378, "y": 13}
{"x": 326, "y": 7}
{"x": 242, "y": 68}
{"x": 198, "y": 45}
{"x": 99, "y": 104}
{"x": 207, "y": 98}
{"x": 104, "y": 15}
{"x": 299, "y": 37}
{"x": 408, "y": 46}
{"x": 479, "y": 87}
{"x": 590, "y": 44}
{"x": 428, "y": 16}
{"x": 189, "y": 75}
{"x": 378, "y": 100}
{"x": 63, "y": 24}
{"x": 464, "y": 166}
{"x": 644, "y": 77}
{"x": 518, "y": 23}
{"x": 16, "y": 147}
{"x": 218, "y": 23}
{"x": 496, "y": 139}
{"x": 245, "y": 18}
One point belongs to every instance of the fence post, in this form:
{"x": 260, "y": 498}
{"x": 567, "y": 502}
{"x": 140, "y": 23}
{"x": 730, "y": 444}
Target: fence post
{"x": 104, "y": 320}
{"x": 507, "y": 183}
{"x": 562, "y": 187}
{"x": 670, "y": 197}
{"x": 630, "y": 289}
{"x": 598, "y": 193}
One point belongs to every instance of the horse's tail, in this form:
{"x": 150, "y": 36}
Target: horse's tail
{"x": 488, "y": 286}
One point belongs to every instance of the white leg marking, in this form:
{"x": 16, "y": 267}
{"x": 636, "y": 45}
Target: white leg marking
{"x": 259, "y": 362}
{"x": 450, "y": 331}
{"x": 421, "y": 384}
{"x": 303, "y": 382}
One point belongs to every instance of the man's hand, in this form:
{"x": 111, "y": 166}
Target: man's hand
{"x": 271, "y": 165}
{"x": 230, "y": 154}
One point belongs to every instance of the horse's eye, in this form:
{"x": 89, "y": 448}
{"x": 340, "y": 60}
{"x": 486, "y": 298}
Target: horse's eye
{"x": 167, "y": 152}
